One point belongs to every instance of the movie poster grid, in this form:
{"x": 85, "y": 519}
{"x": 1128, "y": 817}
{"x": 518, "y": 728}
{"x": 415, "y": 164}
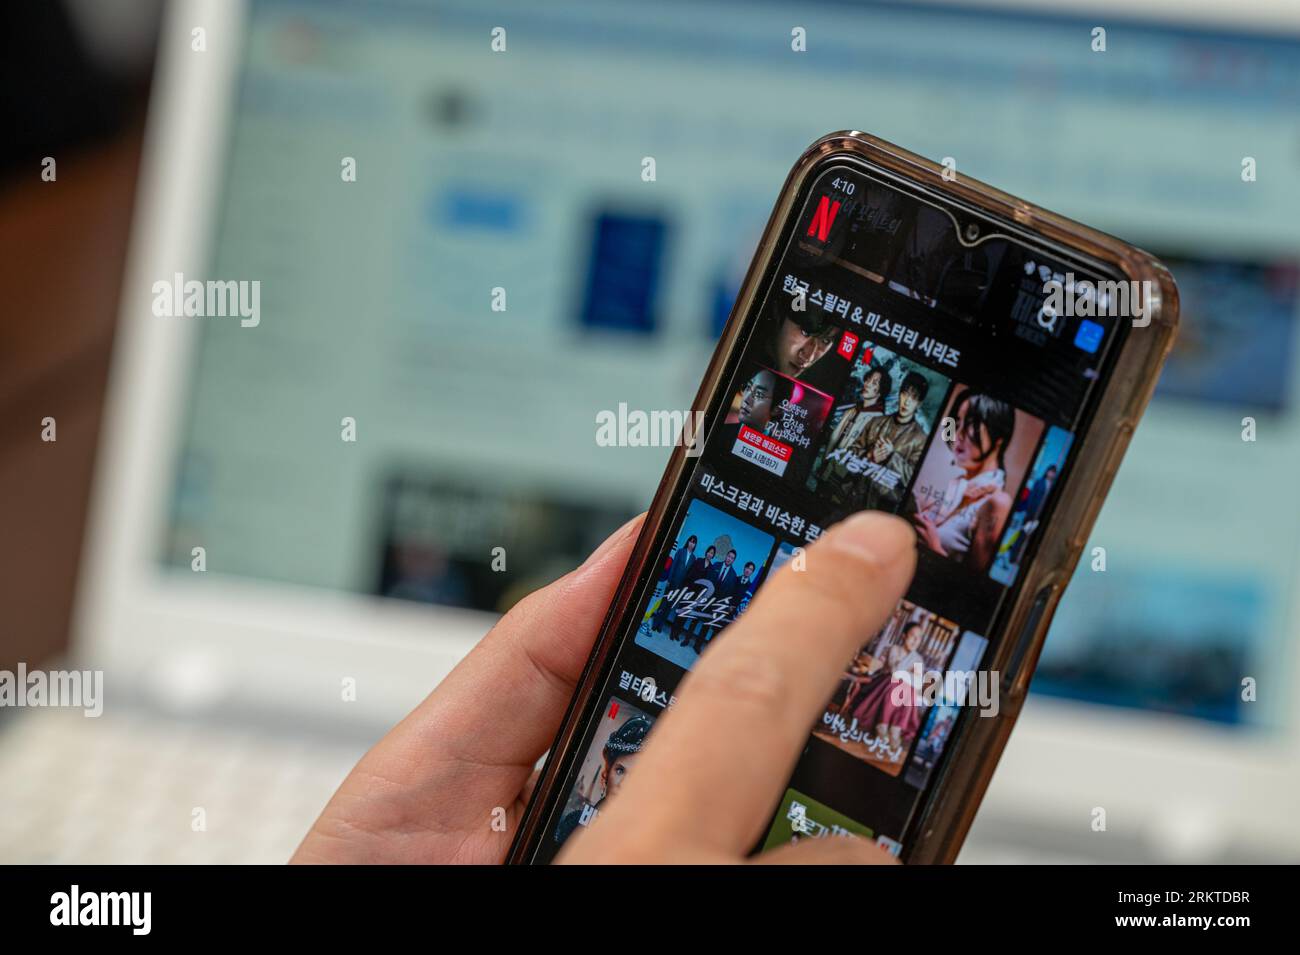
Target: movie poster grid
{"x": 963, "y": 495}
{"x": 614, "y": 750}
{"x": 786, "y": 387}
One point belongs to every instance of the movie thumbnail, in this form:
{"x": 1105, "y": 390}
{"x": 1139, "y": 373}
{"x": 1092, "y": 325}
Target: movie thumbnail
{"x": 1027, "y": 512}
{"x": 802, "y": 817}
{"x": 963, "y": 495}
{"x": 961, "y": 687}
{"x": 890, "y": 405}
{"x": 774, "y": 422}
{"x": 799, "y": 339}
{"x": 879, "y": 707}
{"x": 620, "y": 737}
{"x": 715, "y": 564}
{"x": 784, "y": 554}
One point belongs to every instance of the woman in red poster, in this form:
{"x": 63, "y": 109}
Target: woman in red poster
{"x": 892, "y": 705}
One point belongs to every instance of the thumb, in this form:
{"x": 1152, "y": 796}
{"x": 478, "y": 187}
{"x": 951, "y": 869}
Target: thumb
{"x": 743, "y": 713}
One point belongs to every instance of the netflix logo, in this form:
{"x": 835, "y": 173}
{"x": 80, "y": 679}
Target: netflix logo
{"x": 823, "y": 219}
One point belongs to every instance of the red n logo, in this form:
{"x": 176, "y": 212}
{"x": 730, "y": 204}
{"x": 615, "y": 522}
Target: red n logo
{"x": 823, "y": 218}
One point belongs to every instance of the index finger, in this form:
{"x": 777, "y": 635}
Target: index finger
{"x": 726, "y": 749}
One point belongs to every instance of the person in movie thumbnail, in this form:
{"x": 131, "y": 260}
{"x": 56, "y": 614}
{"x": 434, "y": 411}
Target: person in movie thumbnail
{"x": 701, "y": 568}
{"x": 891, "y": 705}
{"x": 755, "y": 407}
{"x": 756, "y": 400}
{"x": 726, "y": 583}
{"x": 1032, "y": 507}
{"x": 621, "y": 749}
{"x": 966, "y": 522}
{"x": 798, "y": 340}
{"x": 683, "y": 560}
{"x": 847, "y": 434}
{"x": 885, "y": 453}
{"x": 896, "y": 441}
{"x": 743, "y": 591}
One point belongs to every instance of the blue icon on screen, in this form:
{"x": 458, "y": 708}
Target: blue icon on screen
{"x": 1089, "y": 336}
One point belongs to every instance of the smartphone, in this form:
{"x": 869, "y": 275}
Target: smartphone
{"x": 910, "y": 340}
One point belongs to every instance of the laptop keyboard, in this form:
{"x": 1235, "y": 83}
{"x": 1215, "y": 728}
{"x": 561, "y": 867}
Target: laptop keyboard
{"x": 140, "y": 788}
{"x": 128, "y": 787}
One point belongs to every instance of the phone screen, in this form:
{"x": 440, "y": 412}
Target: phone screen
{"x": 905, "y": 355}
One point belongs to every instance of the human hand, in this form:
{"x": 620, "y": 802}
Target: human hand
{"x": 431, "y": 789}
{"x": 725, "y": 751}
{"x": 428, "y": 791}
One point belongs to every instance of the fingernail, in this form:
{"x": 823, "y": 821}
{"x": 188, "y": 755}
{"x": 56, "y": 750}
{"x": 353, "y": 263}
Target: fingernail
{"x": 874, "y": 534}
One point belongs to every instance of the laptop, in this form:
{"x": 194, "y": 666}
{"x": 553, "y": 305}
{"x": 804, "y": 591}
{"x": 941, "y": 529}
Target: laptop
{"x": 297, "y": 520}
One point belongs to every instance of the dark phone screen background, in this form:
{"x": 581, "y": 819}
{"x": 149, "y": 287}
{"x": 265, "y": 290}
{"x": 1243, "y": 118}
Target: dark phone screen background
{"x": 840, "y": 406}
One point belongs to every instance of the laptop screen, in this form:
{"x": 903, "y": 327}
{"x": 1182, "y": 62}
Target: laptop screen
{"x": 483, "y": 233}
